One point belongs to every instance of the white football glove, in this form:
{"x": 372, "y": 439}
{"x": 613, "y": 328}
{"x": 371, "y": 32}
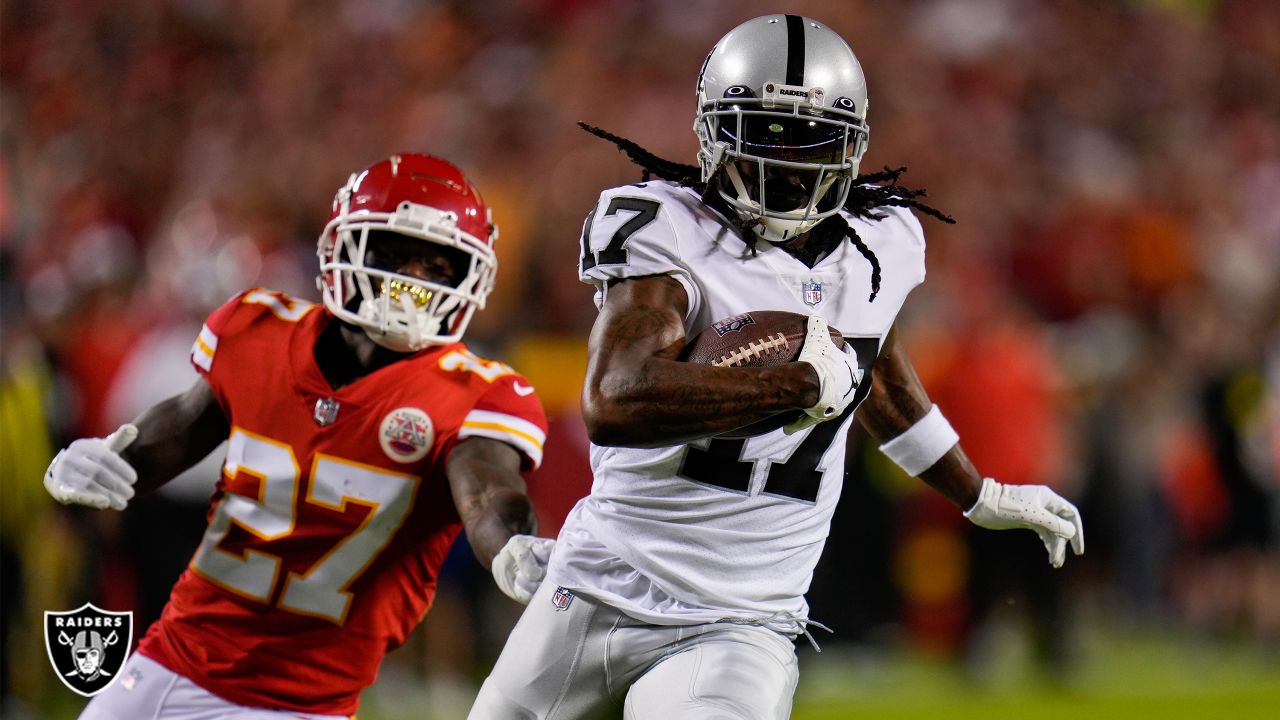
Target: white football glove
{"x": 838, "y": 375}
{"x": 91, "y": 472}
{"x": 520, "y": 565}
{"x": 1035, "y": 507}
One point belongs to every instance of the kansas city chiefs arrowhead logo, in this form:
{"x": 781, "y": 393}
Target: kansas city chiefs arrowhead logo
{"x": 406, "y": 434}
{"x": 88, "y": 646}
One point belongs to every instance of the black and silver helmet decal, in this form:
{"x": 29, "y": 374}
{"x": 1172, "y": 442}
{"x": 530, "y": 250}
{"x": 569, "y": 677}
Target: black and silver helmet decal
{"x": 795, "y": 50}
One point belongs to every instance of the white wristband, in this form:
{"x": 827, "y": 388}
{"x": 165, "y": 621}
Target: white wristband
{"x": 923, "y": 444}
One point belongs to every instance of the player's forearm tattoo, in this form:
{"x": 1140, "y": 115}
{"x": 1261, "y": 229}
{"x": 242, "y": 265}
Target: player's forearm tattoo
{"x": 636, "y": 395}
{"x": 894, "y": 404}
{"x": 662, "y": 402}
{"x": 897, "y": 398}
{"x": 700, "y": 399}
{"x": 638, "y": 325}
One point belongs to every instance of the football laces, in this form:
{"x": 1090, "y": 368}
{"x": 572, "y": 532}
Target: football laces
{"x": 754, "y": 350}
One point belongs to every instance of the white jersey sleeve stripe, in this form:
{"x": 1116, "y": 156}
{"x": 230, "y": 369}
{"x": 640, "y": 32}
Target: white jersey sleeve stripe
{"x": 515, "y": 424}
{"x": 524, "y": 435}
{"x": 203, "y": 349}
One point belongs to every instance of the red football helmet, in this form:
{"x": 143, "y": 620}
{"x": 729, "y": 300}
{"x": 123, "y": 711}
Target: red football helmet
{"x": 407, "y": 196}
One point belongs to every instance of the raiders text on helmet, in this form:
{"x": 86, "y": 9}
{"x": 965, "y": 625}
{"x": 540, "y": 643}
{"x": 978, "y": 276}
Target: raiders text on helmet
{"x": 407, "y": 198}
{"x": 781, "y": 125}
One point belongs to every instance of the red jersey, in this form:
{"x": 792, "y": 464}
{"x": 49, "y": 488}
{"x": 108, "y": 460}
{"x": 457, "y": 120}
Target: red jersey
{"x": 333, "y": 514}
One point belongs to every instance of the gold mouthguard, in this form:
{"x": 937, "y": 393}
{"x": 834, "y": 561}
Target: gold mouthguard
{"x": 420, "y": 295}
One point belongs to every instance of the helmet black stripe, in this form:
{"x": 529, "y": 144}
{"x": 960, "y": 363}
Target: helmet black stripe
{"x": 795, "y": 50}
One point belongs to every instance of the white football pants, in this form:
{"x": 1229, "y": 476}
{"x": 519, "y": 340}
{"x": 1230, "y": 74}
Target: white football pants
{"x": 565, "y": 664}
{"x": 148, "y": 690}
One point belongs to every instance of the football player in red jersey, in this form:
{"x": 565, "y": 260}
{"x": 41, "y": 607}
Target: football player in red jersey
{"x": 362, "y": 435}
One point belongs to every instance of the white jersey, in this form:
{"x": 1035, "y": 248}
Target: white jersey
{"x": 724, "y": 529}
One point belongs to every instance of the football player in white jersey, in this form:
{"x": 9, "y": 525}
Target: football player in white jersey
{"x": 678, "y": 584}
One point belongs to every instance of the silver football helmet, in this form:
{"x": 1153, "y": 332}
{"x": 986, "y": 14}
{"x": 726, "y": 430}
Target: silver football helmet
{"x": 781, "y": 126}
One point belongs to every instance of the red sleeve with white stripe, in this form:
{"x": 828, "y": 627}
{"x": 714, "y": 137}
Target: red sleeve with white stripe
{"x": 205, "y": 346}
{"x": 511, "y": 412}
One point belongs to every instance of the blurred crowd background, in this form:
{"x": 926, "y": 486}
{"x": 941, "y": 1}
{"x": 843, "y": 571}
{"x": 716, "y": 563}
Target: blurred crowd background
{"x": 1103, "y": 318}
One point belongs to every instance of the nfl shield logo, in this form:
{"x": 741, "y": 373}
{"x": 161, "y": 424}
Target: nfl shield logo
{"x": 326, "y": 411}
{"x": 562, "y": 598}
{"x": 812, "y": 292}
{"x": 88, "y": 646}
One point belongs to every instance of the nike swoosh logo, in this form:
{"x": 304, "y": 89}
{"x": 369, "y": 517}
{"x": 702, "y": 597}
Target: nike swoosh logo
{"x": 522, "y": 390}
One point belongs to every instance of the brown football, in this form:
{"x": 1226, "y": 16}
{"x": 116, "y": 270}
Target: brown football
{"x": 761, "y": 338}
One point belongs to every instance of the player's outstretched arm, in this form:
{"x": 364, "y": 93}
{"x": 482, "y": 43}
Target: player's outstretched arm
{"x": 636, "y": 394}
{"x": 896, "y": 402}
{"x": 484, "y": 475}
{"x": 913, "y": 433}
{"x": 140, "y": 456}
{"x": 176, "y": 434}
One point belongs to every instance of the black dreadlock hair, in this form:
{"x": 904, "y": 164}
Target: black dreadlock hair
{"x": 869, "y": 192}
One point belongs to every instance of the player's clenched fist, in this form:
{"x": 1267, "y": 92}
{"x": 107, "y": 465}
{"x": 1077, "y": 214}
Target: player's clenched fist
{"x": 838, "y": 375}
{"x": 91, "y": 472}
{"x": 520, "y": 566}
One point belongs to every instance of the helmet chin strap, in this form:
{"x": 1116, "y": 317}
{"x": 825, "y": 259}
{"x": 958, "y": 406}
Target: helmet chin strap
{"x": 777, "y": 230}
